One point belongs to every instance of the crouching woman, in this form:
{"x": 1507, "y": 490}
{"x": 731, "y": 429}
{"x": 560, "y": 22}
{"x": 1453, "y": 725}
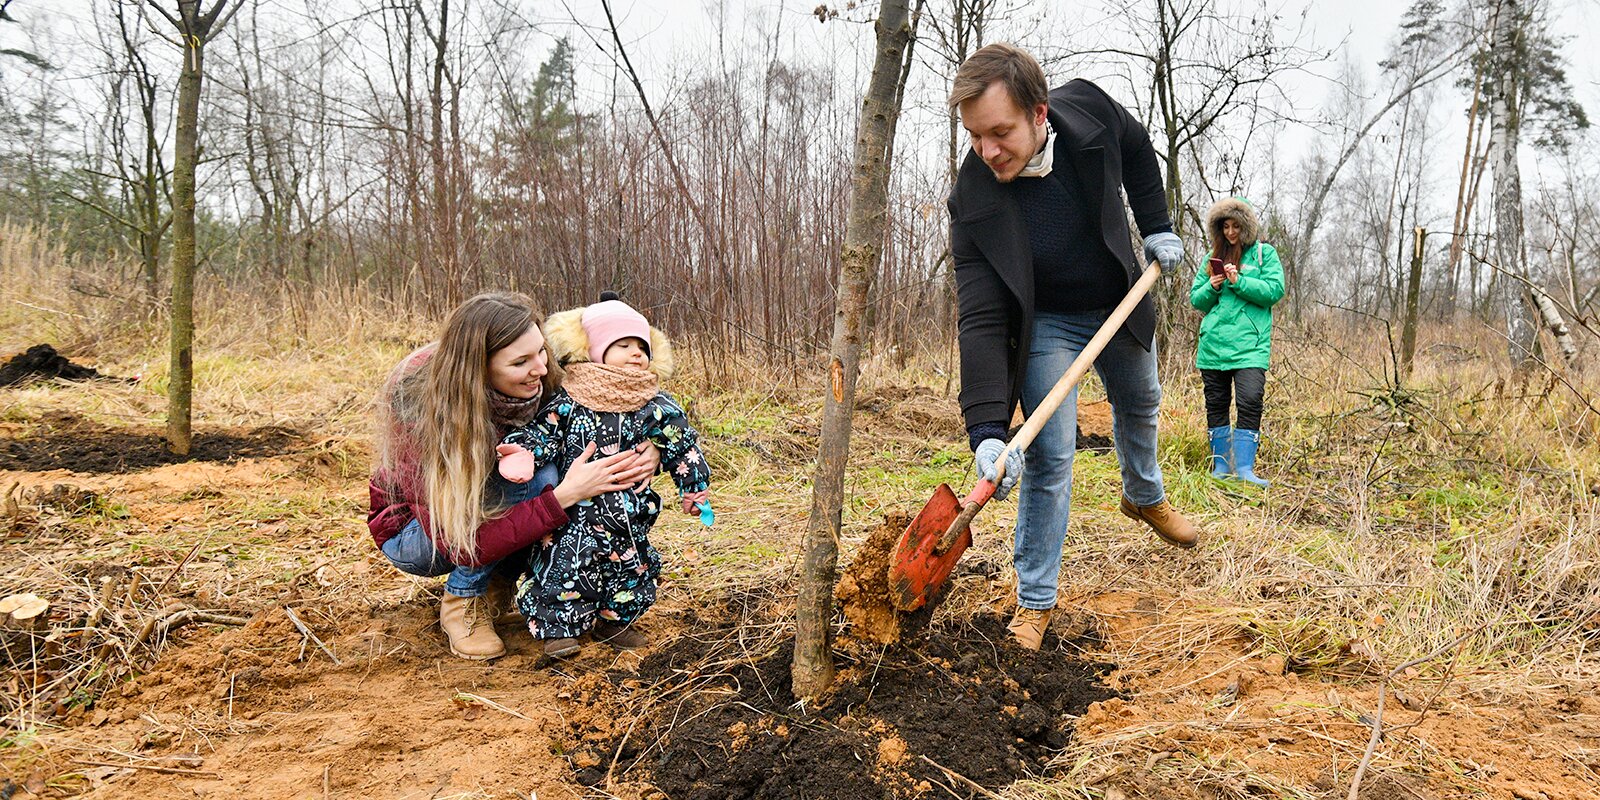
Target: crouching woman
{"x": 438, "y": 506}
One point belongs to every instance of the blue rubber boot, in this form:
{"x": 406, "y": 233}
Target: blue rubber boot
{"x": 1244, "y": 457}
{"x": 1221, "y": 452}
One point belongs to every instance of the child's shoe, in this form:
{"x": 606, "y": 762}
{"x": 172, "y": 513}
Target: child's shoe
{"x": 561, "y": 648}
{"x": 622, "y": 637}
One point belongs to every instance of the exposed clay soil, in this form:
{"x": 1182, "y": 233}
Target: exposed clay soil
{"x": 863, "y": 590}
{"x": 958, "y": 696}
{"x": 1094, "y": 425}
{"x": 75, "y": 444}
{"x": 258, "y": 712}
{"x": 41, "y": 362}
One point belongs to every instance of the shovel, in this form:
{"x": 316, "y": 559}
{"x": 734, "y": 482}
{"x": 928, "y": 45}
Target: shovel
{"x": 935, "y": 540}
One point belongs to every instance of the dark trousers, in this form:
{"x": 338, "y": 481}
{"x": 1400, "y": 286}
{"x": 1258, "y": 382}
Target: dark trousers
{"x": 1223, "y": 386}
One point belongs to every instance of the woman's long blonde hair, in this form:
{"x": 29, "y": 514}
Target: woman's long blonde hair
{"x": 438, "y": 443}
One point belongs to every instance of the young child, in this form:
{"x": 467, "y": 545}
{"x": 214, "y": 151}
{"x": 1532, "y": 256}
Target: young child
{"x": 600, "y": 570}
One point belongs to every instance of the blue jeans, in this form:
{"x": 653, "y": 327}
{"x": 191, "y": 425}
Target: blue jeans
{"x": 1129, "y": 374}
{"x": 414, "y": 553}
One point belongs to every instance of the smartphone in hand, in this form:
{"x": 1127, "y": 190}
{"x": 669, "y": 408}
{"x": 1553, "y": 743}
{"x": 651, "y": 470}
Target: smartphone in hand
{"x": 1216, "y": 267}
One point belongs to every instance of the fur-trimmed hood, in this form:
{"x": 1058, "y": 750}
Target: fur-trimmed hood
{"x": 1239, "y": 210}
{"x": 564, "y": 335}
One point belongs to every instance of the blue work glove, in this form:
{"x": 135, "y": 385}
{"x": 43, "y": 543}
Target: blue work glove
{"x": 986, "y": 455}
{"x": 1166, "y": 248}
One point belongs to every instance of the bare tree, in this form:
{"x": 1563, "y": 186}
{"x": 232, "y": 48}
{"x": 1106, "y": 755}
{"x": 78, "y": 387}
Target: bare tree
{"x": 859, "y": 257}
{"x": 1203, "y": 66}
{"x": 1527, "y": 82}
{"x": 196, "y": 27}
{"x": 133, "y": 137}
{"x": 1417, "y": 61}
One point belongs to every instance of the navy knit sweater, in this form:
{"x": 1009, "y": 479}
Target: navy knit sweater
{"x": 1073, "y": 270}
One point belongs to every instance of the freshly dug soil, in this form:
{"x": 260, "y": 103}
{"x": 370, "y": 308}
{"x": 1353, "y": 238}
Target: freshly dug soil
{"x": 42, "y": 362}
{"x": 961, "y": 697}
{"x": 75, "y": 444}
{"x": 863, "y": 591}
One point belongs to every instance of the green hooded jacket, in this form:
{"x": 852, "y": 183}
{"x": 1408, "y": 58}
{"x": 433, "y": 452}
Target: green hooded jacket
{"x": 1237, "y": 329}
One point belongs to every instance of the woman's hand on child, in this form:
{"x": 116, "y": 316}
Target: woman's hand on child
{"x": 516, "y": 464}
{"x": 585, "y": 478}
{"x": 647, "y": 455}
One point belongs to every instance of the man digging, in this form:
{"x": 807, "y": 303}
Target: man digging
{"x": 1042, "y": 254}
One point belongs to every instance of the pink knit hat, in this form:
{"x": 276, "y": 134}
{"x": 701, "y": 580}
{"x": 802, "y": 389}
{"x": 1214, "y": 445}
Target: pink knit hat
{"x": 609, "y": 320}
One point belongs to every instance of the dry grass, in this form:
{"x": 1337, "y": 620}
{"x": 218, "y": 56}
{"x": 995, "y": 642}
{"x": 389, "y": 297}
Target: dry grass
{"x": 1399, "y": 518}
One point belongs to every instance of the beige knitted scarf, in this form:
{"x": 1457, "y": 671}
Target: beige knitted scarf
{"x": 604, "y": 388}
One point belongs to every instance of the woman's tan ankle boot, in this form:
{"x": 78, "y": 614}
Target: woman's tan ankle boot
{"x": 469, "y": 622}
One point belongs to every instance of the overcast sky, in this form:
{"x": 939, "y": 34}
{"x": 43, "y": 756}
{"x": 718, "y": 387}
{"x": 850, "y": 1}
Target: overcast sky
{"x": 663, "y": 37}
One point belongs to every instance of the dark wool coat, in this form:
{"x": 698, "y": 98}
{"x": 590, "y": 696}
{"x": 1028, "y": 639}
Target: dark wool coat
{"x": 993, "y": 262}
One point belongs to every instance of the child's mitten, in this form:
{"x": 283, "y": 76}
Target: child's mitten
{"x": 700, "y": 500}
{"x": 516, "y": 464}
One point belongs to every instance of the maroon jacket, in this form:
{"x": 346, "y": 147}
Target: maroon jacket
{"x": 521, "y": 525}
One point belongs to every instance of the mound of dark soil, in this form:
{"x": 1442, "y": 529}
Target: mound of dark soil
{"x": 960, "y": 697}
{"x": 82, "y": 446}
{"x": 1100, "y": 443}
{"x": 42, "y": 362}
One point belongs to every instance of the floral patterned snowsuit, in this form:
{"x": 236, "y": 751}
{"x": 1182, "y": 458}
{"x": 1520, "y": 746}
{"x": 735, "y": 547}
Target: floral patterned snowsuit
{"x": 602, "y": 563}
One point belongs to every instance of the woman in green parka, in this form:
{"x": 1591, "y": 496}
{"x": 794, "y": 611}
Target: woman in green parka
{"x": 1236, "y": 292}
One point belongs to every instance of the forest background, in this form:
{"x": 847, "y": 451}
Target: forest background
{"x": 419, "y": 154}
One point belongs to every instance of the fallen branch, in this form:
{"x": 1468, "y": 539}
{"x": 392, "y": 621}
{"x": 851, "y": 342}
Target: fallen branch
{"x": 956, "y": 776}
{"x": 466, "y": 697}
{"x": 295, "y": 618}
{"x": 174, "y": 572}
{"x": 173, "y": 617}
{"x": 1377, "y": 714}
{"x": 149, "y": 767}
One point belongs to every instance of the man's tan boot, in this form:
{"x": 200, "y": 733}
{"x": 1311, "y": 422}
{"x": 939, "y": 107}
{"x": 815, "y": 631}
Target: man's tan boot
{"x": 1028, "y": 626}
{"x": 469, "y": 623}
{"x": 1165, "y": 520}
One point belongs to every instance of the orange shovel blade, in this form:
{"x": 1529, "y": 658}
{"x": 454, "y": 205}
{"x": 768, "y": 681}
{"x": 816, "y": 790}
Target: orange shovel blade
{"x": 918, "y": 572}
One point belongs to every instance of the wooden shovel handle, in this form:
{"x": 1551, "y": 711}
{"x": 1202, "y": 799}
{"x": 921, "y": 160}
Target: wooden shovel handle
{"x": 970, "y": 506}
{"x": 1080, "y": 366}
{"x": 1052, "y": 401}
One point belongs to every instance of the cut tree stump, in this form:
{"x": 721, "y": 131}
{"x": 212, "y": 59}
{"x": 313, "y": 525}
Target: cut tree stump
{"x": 27, "y": 613}
{"x": 24, "y": 619}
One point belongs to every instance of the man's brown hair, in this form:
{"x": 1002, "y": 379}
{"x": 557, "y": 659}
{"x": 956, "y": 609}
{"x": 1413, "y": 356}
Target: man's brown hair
{"x": 1009, "y": 65}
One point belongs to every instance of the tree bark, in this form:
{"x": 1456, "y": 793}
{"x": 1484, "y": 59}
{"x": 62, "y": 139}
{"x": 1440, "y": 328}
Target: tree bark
{"x": 860, "y": 255}
{"x": 180, "y": 383}
{"x": 195, "y": 28}
{"x": 1408, "y": 333}
{"x": 1459, "y": 224}
{"x": 1516, "y": 299}
{"x": 1550, "y": 316}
